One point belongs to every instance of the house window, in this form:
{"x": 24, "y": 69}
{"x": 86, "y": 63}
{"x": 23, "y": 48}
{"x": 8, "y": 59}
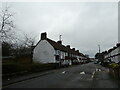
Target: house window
{"x": 57, "y": 57}
{"x": 66, "y": 54}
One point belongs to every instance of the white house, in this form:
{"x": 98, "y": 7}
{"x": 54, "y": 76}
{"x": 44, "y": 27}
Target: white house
{"x": 49, "y": 51}
{"x": 114, "y": 54}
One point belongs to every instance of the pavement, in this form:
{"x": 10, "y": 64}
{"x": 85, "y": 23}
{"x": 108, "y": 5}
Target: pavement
{"x": 16, "y": 79}
{"x": 79, "y": 76}
{"x": 13, "y": 80}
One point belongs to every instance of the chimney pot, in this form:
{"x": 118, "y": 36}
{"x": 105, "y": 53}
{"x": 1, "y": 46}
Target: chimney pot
{"x": 43, "y": 36}
{"x": 73, "y": 49}
{"x": 60, "y": 42}
{"x": 77, "y": 50}
{"x": 68, "y": 46}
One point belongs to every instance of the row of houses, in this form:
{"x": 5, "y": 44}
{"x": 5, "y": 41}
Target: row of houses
{"x": 113, "y": 54}
{"x": 49, "y": 51}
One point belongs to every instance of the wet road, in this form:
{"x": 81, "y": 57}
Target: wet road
{"x": 80, "y": 76}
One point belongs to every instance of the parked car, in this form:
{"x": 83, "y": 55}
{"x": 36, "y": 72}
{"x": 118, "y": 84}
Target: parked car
{"x": 96, "y": 62}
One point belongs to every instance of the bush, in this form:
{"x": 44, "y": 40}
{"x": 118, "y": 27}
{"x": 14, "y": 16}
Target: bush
{"x": 114, "y": 65}
{"x": 114, "y": 70}
{"x": 9, "y": 68}
{"x": 13, "y": 67}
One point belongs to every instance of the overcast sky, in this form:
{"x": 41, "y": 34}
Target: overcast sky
{"x": 83, "y": 25}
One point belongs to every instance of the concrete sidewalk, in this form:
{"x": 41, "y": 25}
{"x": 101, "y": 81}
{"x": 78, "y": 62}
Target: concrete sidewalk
{"x": 24, "y": 77}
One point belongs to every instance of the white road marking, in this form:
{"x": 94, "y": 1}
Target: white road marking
{"x": 97, "y": 69}
{"x": 82, "y": 72}
{"x": 63, "y": 72}
{"x": 93, "y": 74}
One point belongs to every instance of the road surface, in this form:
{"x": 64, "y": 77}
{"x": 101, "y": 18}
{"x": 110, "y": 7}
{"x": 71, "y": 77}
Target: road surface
{"x": 80, "y": 76}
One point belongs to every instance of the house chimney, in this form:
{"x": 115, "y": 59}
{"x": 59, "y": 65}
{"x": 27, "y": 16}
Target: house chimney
{"x": 118, "y": 44}
{"x": 43, "y": 36}
{"x": 60, "y": 42}
{"x": 68, "y": 46}
{"x": 77, "y": 51}
{"x": 73, "y": 49}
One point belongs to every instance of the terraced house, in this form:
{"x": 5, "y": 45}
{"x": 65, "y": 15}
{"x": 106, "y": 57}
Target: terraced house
{"x": 113, "y": 54}
{"x": 49, "y": 51}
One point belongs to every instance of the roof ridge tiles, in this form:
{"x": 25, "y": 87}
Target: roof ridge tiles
{"x": 60, "y": 46}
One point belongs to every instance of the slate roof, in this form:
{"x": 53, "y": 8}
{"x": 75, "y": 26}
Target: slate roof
{"x": 56, "y": 45}
{"x": 61, "y": 47}
{"x": 111, "y": 49}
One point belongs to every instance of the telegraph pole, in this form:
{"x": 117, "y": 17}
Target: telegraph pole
{"x": 99, "y": 55}
{"x": 99, "y": 48}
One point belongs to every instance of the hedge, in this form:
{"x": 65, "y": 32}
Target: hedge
{"x": 114, "y": 70}
{"x": 9, "y": 68}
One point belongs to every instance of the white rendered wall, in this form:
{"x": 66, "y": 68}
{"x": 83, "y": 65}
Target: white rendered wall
{"x": 115, "y": 52}
{"x": 62, "y": 55}
{"x": 105, "y": 56}
{"x": 44, "y": 52}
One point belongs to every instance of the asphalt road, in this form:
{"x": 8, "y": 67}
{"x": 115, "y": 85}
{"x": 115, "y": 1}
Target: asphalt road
{"x": 80, "y": 76}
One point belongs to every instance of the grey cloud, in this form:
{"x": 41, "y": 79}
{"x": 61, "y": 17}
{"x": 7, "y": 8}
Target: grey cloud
{"x": 83, "y": 25}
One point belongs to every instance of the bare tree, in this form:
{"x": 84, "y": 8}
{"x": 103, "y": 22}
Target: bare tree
{"x": 6, "y": 23}
{"x": 25, "y": 46}
{"x": 28, "y": 41}
{"x": 20, "y": 46}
